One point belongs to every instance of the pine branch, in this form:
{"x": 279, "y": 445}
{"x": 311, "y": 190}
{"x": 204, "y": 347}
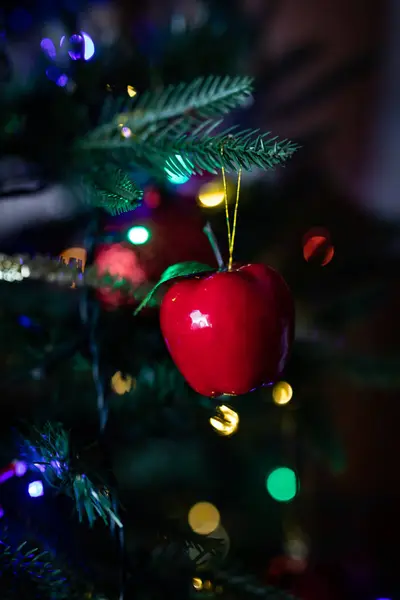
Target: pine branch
{"x": 203, "y": 98}
{"x": 112, "y": 189}
{"x": 196, "y": 151}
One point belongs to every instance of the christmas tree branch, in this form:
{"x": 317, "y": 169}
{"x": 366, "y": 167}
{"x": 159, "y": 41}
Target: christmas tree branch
{"x": 203, "y": 98}
{"x": 195, "y": 151}
{"x": 110, "y": 188}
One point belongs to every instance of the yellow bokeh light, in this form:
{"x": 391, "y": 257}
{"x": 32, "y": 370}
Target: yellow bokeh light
{"x": 207, "y": 585}
{"x": 131, "y": 91}
{"x": 282, "y": 393}
{"x": 203, "y": 518}
{"x": 197, "y": 583}
{"x": 211, "y": 194}
{"x": 121, "y": 384}
{"x": 226, "y": 422}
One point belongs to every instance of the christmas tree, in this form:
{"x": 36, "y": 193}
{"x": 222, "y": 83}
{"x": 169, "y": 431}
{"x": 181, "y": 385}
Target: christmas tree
{"x": 123, "y": 476}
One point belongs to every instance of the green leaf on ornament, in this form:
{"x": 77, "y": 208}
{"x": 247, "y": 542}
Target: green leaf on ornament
{"x": 184, "y": 269}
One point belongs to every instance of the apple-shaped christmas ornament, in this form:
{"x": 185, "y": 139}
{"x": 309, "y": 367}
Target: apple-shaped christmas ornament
{"x": 229, "y": 332}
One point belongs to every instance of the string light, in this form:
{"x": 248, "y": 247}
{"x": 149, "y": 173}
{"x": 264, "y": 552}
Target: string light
{"x": 282, "y": 393}
{"x": 226, "y": 422}
{"x": 138, "y": 235}
{"x": 203, "y": 518}
{"x": 211, "y": 195}
{"x": 282, "y": 484}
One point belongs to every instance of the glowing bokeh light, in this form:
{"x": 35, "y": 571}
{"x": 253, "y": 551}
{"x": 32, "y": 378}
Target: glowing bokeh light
{"x": 89, "y": 49}
{"x": 20, "y": 468}
{"x": 126, "y": 132}
{"x": 282, "y": 393}
{"x": 35, "y": 489}
{"x": 48, "y": 47}
{"x": 197, "y": 583}
{"x": 226, "y": 422}
{"x": 121, "y": 384}
{"x": 211, "y": 195}
{"x": 282, "y": 484}
{"x": 82, "y": 46}
{"x": 204, "y": 518}
{"x": 138, "y": 235}
{"x": 131, "y": 91}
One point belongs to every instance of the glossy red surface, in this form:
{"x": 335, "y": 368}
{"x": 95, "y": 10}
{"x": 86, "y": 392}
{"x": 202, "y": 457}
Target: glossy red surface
{"x": 229, "y": 332}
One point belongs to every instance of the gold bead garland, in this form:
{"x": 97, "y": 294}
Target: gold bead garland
{"x": 20, "y": 267}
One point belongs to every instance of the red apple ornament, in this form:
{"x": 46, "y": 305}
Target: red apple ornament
{"x": 229, "y": 332}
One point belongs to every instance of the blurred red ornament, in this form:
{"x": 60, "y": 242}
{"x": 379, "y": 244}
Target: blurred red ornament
{"x": 119, "y": 260}
{"x": 176, "y": 235}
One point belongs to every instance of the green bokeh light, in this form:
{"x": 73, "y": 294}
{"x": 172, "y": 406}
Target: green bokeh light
{"x": 282, "y": 484}
{"x": 138, "y": 235}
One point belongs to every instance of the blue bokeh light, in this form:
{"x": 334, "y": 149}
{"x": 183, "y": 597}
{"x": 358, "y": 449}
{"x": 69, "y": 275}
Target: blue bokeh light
{"x": 25, "y": 321}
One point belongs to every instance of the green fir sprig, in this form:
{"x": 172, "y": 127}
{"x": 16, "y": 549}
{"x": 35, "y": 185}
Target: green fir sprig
{"x": 111, "y": 188}
{"x": 203, "y": 98}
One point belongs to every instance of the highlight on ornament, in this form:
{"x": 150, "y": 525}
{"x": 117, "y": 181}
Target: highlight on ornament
{"x": 226, "y": 422}
{"x": 204, "y": 518}
{"x": 317, "y": 246}
{"x": 282, "y": 393}
{"x": 138, "y": 235}
{"x": 211, "y": 195}
{"x": 282, "y": 484}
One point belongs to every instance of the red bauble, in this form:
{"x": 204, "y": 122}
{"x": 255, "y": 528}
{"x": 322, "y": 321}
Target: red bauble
{"x": 229, "y": 332}
{"x": 121, "y": 261}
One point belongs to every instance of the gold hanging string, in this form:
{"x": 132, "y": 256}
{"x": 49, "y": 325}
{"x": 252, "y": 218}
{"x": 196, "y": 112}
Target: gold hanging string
{"x": 231, "y": 230}
{"x": 228, "y": 223}
{"x": 233, "y": 233}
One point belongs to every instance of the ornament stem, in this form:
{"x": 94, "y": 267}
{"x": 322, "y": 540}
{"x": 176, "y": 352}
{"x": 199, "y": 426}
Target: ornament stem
{"x": 214, "y": 244}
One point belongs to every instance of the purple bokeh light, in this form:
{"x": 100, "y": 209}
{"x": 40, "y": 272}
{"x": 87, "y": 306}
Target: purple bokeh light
{"x": 20, "y": 468}
{"x": 80, "y": 46}
{"x": 48, "y": 47}
{"x": 62, "y": 80}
